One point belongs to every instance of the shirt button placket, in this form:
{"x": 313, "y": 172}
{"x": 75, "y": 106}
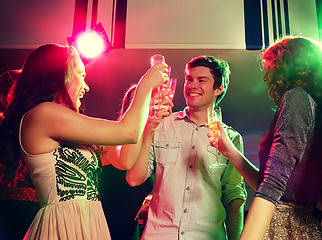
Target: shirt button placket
{"x": 185, "y": 218}
{"x": 181, "y": 235}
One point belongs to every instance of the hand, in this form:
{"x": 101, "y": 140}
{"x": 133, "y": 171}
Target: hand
{"x": 159, "y": 109}
{"x": 222, "y": 142}
{"x": 161, "y": 104}
{"x": 145, "y": 204}
{"x": 156, "y": 75}
{"x": 214, "y": 132}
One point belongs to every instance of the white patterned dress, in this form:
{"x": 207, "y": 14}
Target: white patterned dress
{"x": 67, "y": 182}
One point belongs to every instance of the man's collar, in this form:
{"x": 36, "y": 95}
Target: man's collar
{"x": 184, "y": 114}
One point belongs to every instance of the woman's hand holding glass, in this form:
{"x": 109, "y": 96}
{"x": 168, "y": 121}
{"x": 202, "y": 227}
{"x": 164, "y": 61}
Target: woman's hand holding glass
{"x": 156, "y": 75}
{"x": 220, "y": 140}
{"x": 162, "y": 97}
{"x": 167, "y": 88}
{"x": 216, "y": 132}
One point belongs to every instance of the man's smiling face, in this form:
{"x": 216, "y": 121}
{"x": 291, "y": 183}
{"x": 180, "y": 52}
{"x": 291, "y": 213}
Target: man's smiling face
{"x": 198, "y": 88}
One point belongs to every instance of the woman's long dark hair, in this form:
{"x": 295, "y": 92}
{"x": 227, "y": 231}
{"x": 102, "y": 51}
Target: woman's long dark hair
{"x": 43, "y": 79}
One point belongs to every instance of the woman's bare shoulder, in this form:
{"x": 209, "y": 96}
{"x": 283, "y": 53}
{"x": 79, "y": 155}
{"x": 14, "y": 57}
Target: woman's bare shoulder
{"x": 38, "y": 126}
{"x": 47, "y": 114}
{"x": 47, "y": 109}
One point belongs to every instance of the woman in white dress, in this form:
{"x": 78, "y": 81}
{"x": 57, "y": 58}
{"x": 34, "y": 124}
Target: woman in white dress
{"x": 56, "y": 141}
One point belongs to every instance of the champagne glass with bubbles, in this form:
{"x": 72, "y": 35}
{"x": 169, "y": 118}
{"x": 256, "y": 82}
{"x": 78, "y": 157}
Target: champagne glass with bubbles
{"x": 214, "y": 117}
{"x": 172, "y": 84}
{"x": 165, "y": 87}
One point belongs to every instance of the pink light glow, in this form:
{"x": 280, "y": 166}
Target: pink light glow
{"x": 90, "y": 44}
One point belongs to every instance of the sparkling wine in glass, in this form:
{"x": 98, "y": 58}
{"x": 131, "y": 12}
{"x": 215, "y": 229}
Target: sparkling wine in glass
{"x": 172, "y": 85}
{"x": 214, "y": 117}
{"x": 155, "y": 59}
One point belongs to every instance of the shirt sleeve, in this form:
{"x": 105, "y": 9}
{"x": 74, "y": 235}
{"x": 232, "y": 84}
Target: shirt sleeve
{"x": 151, "y": 162}
{"x": 233, "y": 186}
{"x": 290, "y": 137}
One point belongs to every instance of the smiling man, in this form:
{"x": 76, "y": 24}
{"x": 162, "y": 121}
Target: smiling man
{"x": 197, "y": 193}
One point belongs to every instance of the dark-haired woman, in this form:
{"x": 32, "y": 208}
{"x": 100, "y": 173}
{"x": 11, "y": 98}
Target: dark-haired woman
{"x": 56, "y": 140}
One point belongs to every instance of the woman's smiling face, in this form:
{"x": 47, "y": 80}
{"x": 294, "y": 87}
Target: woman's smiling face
{"x": 77, "y": 86}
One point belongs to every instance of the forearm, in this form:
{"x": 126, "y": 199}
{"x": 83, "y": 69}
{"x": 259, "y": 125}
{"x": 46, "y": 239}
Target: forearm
{"x": 244, "y": 167}
{"x": 118, "y": 158}
{"x": 137, "y": 174}
{"x": 233, "y": 150}
{"x": 258, "y": 219}
{"x": 135, "y": 117}
{"x": 127, "y": 155}
{"x": 235, "y": 219}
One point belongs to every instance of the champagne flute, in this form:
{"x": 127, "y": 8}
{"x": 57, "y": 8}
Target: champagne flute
{"x": 214, "y": 117}
{"x": 155, "y": 59}
{"x": 168, "y": 89}
{"x": 172, "y": 85}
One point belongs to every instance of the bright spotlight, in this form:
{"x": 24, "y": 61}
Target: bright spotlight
{"x": 91, "y": 44}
